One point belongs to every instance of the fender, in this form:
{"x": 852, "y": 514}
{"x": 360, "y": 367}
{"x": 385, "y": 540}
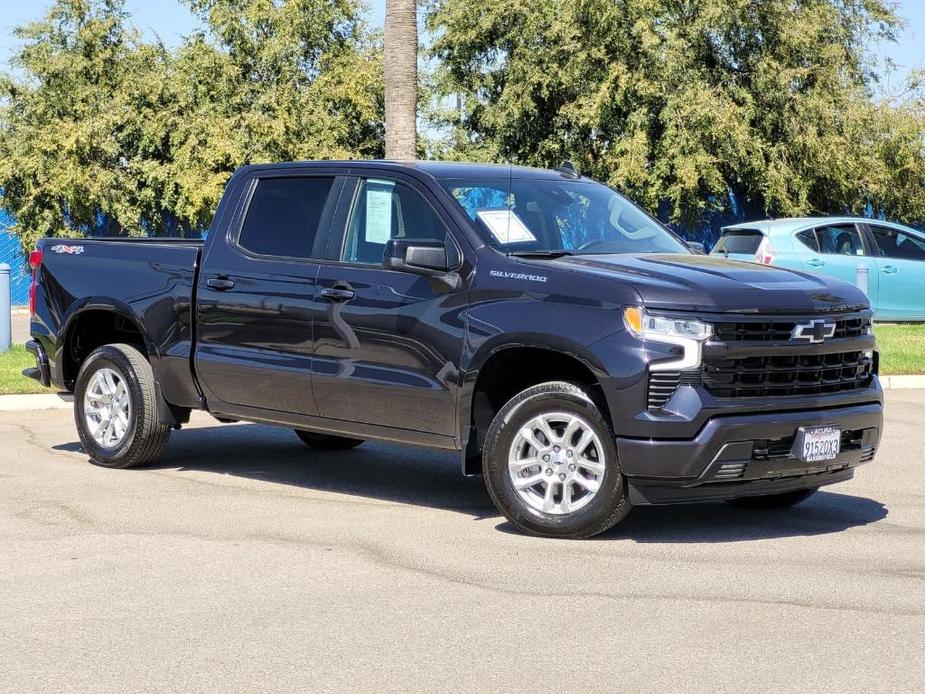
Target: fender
{"x": 96, "y": 303}
{"x": 473, "y": 362}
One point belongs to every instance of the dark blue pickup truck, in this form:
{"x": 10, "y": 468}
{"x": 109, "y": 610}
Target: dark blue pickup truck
{"x": 572, "y": 349}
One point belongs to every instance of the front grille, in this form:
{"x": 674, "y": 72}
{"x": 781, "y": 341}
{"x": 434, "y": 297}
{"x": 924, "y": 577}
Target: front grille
{"x": 663, "y": 384}
{"x": 780, "y": 375}
{"x": 780, "y": 331}
{"x": 728, "y": 472}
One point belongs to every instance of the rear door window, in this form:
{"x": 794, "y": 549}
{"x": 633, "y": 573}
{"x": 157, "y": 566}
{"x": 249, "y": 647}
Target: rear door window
{"x": 840, "y": 239}
{"x": 897, "y": 244}
{"x": 808, "y": 239}
{"x": 284, "y": 217}
{"x": 739, "y": 241}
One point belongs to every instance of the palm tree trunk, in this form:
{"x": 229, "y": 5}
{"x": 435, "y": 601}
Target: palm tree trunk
{"x": 401, "y": 79}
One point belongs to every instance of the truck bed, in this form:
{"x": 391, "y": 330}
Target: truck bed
{"x": 150, "y": 281}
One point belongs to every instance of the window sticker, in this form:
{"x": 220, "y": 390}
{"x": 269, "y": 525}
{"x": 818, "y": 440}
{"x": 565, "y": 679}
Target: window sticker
{"x": 379, "y": 211}
{"x": 506, "y": 226}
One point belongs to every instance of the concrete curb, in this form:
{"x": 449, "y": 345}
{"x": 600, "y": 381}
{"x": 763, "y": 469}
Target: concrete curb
{"x": 902, "y": 382}
{"x": 43, "y": 401}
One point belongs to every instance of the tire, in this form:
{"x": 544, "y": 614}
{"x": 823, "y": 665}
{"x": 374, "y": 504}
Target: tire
{"x": 773, "y": 501}
{"x": 145, "y": 436}
{"x": 560, "y": 405}
{"x": 327, "y": 442}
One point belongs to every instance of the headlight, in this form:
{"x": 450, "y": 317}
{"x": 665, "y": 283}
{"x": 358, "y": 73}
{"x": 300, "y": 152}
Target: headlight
{"x": 647, "y": 327}
{"x": 689, "y": 334}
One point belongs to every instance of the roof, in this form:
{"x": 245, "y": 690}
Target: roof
{"x": 437, "y": 169}
{"x": 786, "y": 224}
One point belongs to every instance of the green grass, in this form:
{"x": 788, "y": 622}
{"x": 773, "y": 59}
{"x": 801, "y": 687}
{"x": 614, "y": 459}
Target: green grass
{"x": 11, "y": 379}
{"x": 902, "y": 348}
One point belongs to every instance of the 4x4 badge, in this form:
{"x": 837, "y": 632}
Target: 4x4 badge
{"x": 814, "y": 331}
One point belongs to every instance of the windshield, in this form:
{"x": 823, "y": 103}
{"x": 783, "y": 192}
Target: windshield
{"x": 524, "y": 215}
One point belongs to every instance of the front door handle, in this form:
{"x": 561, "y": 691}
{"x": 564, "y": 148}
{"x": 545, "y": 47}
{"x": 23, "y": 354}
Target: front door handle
{"x": 338, "y": 293}
{"x": 815, "y": 262}
{"x": 222, "y": 284}
{"x": 889, "y": 269}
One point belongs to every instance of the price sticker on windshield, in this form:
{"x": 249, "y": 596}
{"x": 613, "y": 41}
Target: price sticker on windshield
{"x": 506, "y": 226}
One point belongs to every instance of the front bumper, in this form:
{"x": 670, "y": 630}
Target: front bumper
{"x": 746, "y": 455}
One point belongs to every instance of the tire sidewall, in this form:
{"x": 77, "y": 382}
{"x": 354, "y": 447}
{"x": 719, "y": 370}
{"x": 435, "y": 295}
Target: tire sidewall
{"x": 609, "y": 504}
{"x": 112, "y": 358}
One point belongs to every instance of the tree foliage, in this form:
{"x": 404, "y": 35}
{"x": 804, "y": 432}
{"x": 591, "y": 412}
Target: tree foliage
{"x": 102, "y": 132}
{"x": 686, "y": 101}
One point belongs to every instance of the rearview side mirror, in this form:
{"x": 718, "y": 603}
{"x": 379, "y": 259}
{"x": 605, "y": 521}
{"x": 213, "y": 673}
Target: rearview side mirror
{"x": 436, "y": 259}
{"x": 697, "y": 247}
{"x": 420, "y": 256}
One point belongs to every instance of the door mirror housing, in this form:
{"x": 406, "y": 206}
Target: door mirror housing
{"x": 697, "y": 247}
{"x": 420, "y": 256}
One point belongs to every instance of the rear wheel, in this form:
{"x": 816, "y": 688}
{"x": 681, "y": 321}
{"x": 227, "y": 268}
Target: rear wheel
{"x": 772, "y": 501}
{"x": 550, "y": 464}
{"x": 115, "y": 408}
{"x": 327, "y": 442}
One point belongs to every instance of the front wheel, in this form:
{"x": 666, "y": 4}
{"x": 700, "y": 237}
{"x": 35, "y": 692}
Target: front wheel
{"x": 772, "y": 501}
{"x": 550, "y": 464}
{"x": 115, "y": 408}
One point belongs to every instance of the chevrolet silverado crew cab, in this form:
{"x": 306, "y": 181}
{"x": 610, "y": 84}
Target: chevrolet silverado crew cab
{"x": 572, "y": 349}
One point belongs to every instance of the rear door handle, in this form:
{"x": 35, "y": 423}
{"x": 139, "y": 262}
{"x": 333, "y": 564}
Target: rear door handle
{"x": 222, "y": 284}
{"x": 815, "y": 262}
{"x": 338, "y": 293}
{"x": 889, "y": 269}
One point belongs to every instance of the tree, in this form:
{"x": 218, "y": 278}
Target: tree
{"x": 401, "y": 82}
{"x": 682, "y": 103}
{"x": 101, "y": 132}
{"x": 272, "y": 80}
{"x": 76, "y": 151}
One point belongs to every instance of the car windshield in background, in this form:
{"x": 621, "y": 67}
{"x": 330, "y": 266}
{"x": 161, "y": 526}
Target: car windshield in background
{"x": 524, "y": 215}
{"x": 739, "y": 241}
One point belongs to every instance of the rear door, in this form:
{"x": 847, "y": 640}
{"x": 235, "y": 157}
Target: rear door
{"x": 901, "y": 260}
{"x": 256, "y": 294}
{"x": 839, "y": 250}
{"x": 388, "y": 342}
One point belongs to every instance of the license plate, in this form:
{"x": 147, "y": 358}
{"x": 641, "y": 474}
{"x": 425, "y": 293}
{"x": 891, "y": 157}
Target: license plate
{"x": 817, "y": 444}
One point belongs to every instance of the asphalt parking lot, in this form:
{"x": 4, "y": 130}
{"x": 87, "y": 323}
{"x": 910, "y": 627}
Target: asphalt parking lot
{"x": 247, "y": 562}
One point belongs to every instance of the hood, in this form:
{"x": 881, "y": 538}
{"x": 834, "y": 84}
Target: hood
{"x": 710, "y": 284}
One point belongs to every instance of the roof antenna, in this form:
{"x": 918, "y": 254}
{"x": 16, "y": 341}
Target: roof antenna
{"x": 569, "y": 169}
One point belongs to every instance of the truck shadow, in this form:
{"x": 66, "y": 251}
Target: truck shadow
{"x": 424, "y": 477}
{"x": 825, "y": 512}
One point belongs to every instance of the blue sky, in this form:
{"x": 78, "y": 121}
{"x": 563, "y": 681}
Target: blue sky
{"x": 170, "y": 19}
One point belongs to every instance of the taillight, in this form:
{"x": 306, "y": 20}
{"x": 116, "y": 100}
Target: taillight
{"x": 35, "y": 262}
{"x": 765, "y": 253}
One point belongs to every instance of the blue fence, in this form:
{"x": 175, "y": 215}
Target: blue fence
{"x": 11, "y": 254}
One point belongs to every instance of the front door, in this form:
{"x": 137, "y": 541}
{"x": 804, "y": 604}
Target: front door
{"x": 388, "y": 343}
{"x": 902, "y": 273}
{"x": 256, "y": 296}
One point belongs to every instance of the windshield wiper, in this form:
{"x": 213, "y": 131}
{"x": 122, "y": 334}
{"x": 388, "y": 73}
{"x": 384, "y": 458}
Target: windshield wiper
{"x": 558, "y": 253}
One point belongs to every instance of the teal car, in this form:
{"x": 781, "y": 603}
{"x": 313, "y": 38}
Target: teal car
{"x": 888, "y": 260}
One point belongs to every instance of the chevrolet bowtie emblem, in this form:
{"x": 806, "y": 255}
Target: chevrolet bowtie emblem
{"x": 814, "y": 331}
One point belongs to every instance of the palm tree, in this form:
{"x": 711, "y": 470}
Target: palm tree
{"x": 401, "y": 79}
